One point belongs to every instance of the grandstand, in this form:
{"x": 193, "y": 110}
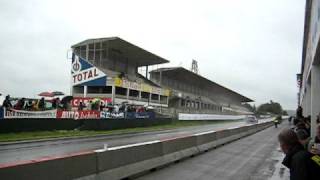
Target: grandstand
{"x": 108, "y": 68}
{"x": 192, "y": 93}
{"x": 113, "y": 64}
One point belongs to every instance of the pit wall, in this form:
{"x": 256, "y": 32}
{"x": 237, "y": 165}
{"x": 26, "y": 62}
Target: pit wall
{"x": 125, "y": 161}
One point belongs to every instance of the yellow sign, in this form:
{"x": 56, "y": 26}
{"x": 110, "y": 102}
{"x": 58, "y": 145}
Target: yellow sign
{"x": 118, "y": 82}
{"x": 140, "y": 87}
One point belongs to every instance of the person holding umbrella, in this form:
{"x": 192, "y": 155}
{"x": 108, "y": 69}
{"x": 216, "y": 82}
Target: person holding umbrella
{"x": 65, "y": 101}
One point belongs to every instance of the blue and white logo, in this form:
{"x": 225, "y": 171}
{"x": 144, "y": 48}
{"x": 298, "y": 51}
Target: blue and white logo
{"x": 85, "y": 74}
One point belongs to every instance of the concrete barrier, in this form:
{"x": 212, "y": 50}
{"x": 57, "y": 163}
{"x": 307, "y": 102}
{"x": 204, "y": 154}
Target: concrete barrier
{"x": 123, "y": 161}
{"x": 126, "y": 161}
{"x": 65, "y": 167}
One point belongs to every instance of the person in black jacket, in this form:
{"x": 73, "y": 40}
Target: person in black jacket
{"x": 299, "y": 112}
{"x": 7, "y": 103}
{"x": 302, "y": 164}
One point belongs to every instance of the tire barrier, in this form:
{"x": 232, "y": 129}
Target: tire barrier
{"x": 126, "y": 161}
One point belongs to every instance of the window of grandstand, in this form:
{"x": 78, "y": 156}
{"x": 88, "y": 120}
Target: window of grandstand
{"x": 163, "y": 99}
{"x": 77, "y": 50}
{"x": 155, "y": 97}
{"x": 97, "y": 56}
{"x": 103, "y": 54}
{"x": 145, "y": 95}
{"x": 91, "y": 56}
{"x": 133, "y": 93}
{"x": 83, "y": 51}
{"x": 188, "y": 103}
{"x": 98, "y": 53}
{"x": 183, "y": 103}
{"x": 93, "y": 89}
{"x": 121, "y": 91}
{"x": 78, "y": 89}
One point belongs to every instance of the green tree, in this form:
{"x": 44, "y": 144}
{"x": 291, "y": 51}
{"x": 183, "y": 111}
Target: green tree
{"x": 272, "y": 107}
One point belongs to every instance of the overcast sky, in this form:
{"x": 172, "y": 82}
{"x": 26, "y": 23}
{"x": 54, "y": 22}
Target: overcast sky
{"x": 253, "y": 47}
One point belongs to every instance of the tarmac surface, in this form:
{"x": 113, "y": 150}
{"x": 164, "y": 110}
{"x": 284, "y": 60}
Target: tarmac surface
{"x": 256, "y": 157}
{"x": 15, "y": 153}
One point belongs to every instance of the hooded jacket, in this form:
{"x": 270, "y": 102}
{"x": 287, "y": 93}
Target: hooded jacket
{"x": 302, "y": 164}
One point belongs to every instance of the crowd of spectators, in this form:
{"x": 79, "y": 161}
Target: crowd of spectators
{"x": 97, "y": 105}
{"x": 31, "y": 104}
{"x": 302, "y": 152}
{"x": 55, "y": 103}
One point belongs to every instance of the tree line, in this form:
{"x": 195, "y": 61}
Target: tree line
{"x": 267, "y": 108}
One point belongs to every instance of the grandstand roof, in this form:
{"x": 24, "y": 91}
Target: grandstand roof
{"x": 140, "y": 56}
{"x": 184, "y": 75}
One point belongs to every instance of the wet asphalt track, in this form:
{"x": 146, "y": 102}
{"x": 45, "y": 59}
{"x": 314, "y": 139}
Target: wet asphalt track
{"x": 38, "y": 150}
{"x": 256, "y": 157}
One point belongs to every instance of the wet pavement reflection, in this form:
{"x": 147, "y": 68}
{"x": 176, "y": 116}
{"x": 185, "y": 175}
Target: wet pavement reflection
{"x": 280, "y": 171}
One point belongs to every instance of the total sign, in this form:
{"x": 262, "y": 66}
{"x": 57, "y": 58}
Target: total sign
{"x": 85, "y": 74}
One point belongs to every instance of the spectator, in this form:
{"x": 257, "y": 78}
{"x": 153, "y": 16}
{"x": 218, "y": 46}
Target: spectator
{"x": 314, "y": 144}
{"x": 55, "y": 103}
{"x": 102, "y": 106}
{"x": 89, "y": 105}
{"x": 116, "y": 109}
{"x": 299, "y": 112}
{"x": 298, "y": 160}
{"x": 81, "y": 106}
{"x": 20, "y": 104}
{"x": 302, "y": 125}
{"x": 7, "y": 103}
{"x": 41, "y": 104}
{"x": 290, "y": 119}
{"x": 29, "y": 105}
{"x": 35, "y": 105}
{"x": 303, "y": 138}
{"x": 296, "y": 121}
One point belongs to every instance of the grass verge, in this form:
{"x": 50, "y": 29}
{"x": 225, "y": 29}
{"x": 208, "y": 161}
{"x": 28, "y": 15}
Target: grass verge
{"x": 37, "y": 135}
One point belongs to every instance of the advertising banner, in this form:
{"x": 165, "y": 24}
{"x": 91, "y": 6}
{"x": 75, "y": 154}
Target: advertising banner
{"x": 108, "y": 115}
{"x": 85, "y": 74}
{"x": 140, "y": 115}
{"x": 76, "y": 101}
{"x": 78, "y": 114}
{"x": 12, "y": 113}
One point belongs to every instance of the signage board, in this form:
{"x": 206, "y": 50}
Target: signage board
{"x": 76, "y": 101}
{"x": 13, "y": 113}
{"x": 85, "y": 74}
{"x": 78, "y": 114}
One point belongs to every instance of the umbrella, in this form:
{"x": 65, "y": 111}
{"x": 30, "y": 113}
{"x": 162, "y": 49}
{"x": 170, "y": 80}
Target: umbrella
{"x": 149, "y": 107}
{"x": 57, "y": 93}
{"x": 125, "y": 102}
{"x": 66, "y": 99}
{"x": 46, "y": 94}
